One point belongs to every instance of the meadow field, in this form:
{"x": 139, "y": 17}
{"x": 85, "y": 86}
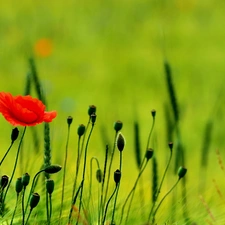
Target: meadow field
{"x": 112, "y": 54}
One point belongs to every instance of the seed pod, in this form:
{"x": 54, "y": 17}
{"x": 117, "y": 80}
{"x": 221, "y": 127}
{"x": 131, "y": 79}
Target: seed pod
{"x": 99, "y": 175}
{"x": 91, "y": 110}
{"x": 118, "y": 125}
{"x": 19, "y": 185}
{"x": 4, "y": 181}
{"x": 120, "y": 142}
{"x": 35, "y": 198}
{"x": 14, "y": 134}
{"x": 50, "y": 186}
{"x": 25, "y": 179}
{"x": 93, "y": 118}
{"x": 153, "y": 112}
{"x": 69, "y": 120}
{"x": 149, "y": 153}
{"x": 81, "y": 130}
{"x": 117, "y": 176}
{"x": 170, "y": 144}
{"x": 181, "y": 172}
{"x": 53, "y": 168}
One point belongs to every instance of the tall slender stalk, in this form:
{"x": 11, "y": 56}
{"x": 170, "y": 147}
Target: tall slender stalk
{"x": 15, "y": 165}
{"x": 93, "y": 117}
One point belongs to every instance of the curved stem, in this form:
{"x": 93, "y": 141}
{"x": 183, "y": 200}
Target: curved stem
{"x": 160, "y": 186}
{"x": 32, "y": 187}
{"x": 132, "y": 192}
{"x": 64, "y": 174}
{"x": 153, "y": 219}
{"x": 14, "y": 212}
{"x": 84, "y": 168}
{"x": 103, "y": 182}
{"x": 6, "y": 152}
{"x": 28, "y": 216}
{"x": 90, "y": 185}
{"x": 106, "y": 208}
{"x": 109, "y": 169}
{"x": 114, "y": 207}
{"x": 23, "y": 211}
{"x": 15, "y": 164}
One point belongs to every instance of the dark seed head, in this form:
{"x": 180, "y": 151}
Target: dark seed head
{"x": 181, "y": 172}
{"x": 53, "y": 168}
{"x": 149, "y": 153}
{"x": 81, "y": 130}
{"x": 120, "y": 142}
{"x": 69, "y": 120}
{"x": 117, "y": 176}
{"x": 118, "y": 125}
{"x": 35, "y": 198}
{"x": 14, "y": 134}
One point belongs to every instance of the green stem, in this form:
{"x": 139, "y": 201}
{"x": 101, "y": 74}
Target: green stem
{"x": 109, "y": 170}
{"x": 28, "y": 216}
{"x": 84, "y": 168}
{"x": 117, "y": 191}
{"x": 14, "y": 212}
{"x": 160, "y": 186}
{"x": 47, "y": 207}
{"x": 103, "y": 182}
{"x": 6, "y": 152}
{"x": 32, "y": 187}
{"x": 90, "y": 185}
{"x": 153, "y": 218}
{"x": 15, "y": 164}
{"x": 150, "y": 133}
{"x": 23, "y": 211}
{"x": 132, "y": 192}
{"x": 64, "y": 175}
{"x": 106, "y": 208}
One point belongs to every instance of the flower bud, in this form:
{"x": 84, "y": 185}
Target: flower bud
{"x": 120, "y": 142}
{"x": 50, "y": 186}
{"x": 170, "y": 144}
{"x": 93, "y": 118}
{"x": 19, "y": 185}
{"x": 69, "y": 120}
{"x": 81, "y": 130}
{"x": 35, "y": 198}
{"x": 149, "y": 153}
{"x": 117, "y": 176}
{"x": 99, "y": 175}
{"x": 14, "y": 134}
{"x": 91, "y": 110}
{"x": 153, "y": 112}
{"x": 25, "y": 179}
{"x": 4, "y": 181}
{"x": 53, "y": 168}
{"x": 181, "y": 172}
{"x": 118, "y": 125}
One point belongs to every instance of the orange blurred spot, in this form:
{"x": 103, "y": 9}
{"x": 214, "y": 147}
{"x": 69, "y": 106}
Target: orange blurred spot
{"x": 43, "y": 47}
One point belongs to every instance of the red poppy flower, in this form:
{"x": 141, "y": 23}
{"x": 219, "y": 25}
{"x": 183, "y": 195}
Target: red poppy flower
{"x": 24, "y": 110}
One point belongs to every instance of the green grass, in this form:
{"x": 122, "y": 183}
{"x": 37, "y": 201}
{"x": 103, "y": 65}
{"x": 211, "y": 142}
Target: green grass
{"x": 111, "y": 54}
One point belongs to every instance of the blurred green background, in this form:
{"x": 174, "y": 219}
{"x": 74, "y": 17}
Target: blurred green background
{"x": 111, "y": 53}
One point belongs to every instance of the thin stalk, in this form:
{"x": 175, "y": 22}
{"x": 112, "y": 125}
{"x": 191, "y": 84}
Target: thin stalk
{"x": 90, "y": 185}
{"x": 23, "y": 211}
{"x": 64, "y": 174}
{"x": 150, "y": 133}
{"x": 50, "y": 206}
{"x": 47, "y": 207}
{"x": 15, "y": 164}
{"x": 14, "y": 212}
{"x": 103, "y": 182}
{"x": 6, "y": 153}
{"x": 109, "y": 169}
{"x": 117, "y": 191}
{"x": 153, "y": 218}
{"x": 106, "y": 208}
{"x": 75, "y": 179}
{"x": 84, "y": 167}
{"x": 28, "y": 216}
{"x": 132, "y": 193}
{"x": 160, "y": 186}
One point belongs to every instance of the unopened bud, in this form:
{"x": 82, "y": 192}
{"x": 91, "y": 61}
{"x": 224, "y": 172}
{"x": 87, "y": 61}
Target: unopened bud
{"x": 19, "y": 185}
{"x": 25, "y": 179}
{"x": 118, "y": 125}
{"x": 50, "y": 186}
{"x": 4, "y": 181}
{"x": 35, "y": 198}
{"x": 14, "y": 134}
{"x": 69, "y": 120}
{"x": 120, "y": 142}
{"x": 181, "y": 172}
{"x": 53, "y": 169}
{"x": 153, "y": 112}
{"x": 99, "y": 175}
{"x": 91, "y": 110}
{"x": 81, "y": 130}
{"x": 149, "y": 153}
{"x": 117, "y": 176}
